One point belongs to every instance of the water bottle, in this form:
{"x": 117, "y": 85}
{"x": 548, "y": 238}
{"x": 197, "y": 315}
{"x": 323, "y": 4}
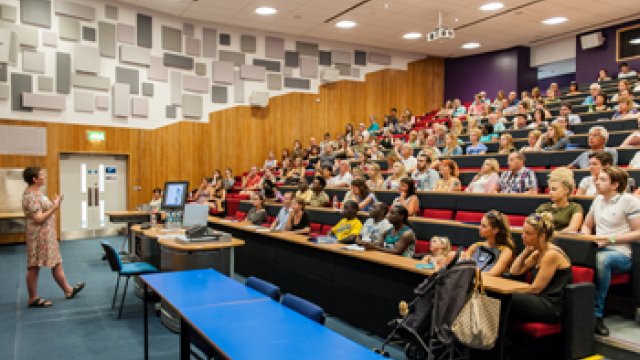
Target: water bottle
{"x": 336, "y": 203}
{"x": 590, "y": 108}
{"x": 153, "y": 220}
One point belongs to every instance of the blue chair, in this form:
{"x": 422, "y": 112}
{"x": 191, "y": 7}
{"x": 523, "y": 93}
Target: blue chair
{"x": 127, "y": 270}
{"x": 304, "y": 307}
{"x": 264, "y": 287}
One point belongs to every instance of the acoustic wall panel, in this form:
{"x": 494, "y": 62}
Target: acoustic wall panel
{"x": 192, "y": 106}
{"x": 8, "y": 13}
{"x": 178, "y": 61}
{"x": 4, "y": 91}
{"x": 209, "y": 42}
{"x": 171, "y": 39}
{"x": 295, "y": 83}
{"x": 287, "y": 71}
{"x": 355, "y": 72}
{"x": 94, "y": 82}
{"x": 171, "y": 111}
{"x": 309, "y": 67}
{"x": 324, "y": 58}
{"x": 274, "y": 81}
{"x": 128, "y": 76}
{"x": 45, "y": 83}
{"x": 102, "y": 102}
{"x": 188, "y": 29}
{"x": 49, "y": 38}
{"x": 248, "y": 44}
{"x": 238, "y": 87}
{"x": 274, "y": 48}
{"x": 20, "y": 83}
{"x": 201, "y": 69}
{"x": 33, "y": 62}
{"x": 44, "y": 101}
{"x": 236, "y": 58}
{"x": 75, "y": 10}
{"x": 252, "y": 72}
{"x": 341, "y": 57}
{"x": 268, "y": 64}
{"x": 86, "y": 59}
{"x": 291, "y": 58}
{"x": 219, "y": 95}
{"x": 222, "y": 72}
{"x": 69, "y": 29}
{"x": 360, "y": 58}
{"x": 307, "y": 49}
{"x": 88, "y": 33}
{"x": 225, "y": 39}
{"x": 84, "y": 101}
{"x": 107, "y": 39}
{"x": 111, "y": 12}
{"x": 345, "y": 69}
{"x": 195, "y": 83}
{"x": 175, "y": 88}
{"x": 27, "y": 36}
{"x": 36, "y": 12}
{"x": 135, "y": 55}
{"x": 121, "y": 105}
{"x": 192, "y": 46}
{"x": 139, "y": 106}
{"x": 147, "y": 89}
{"x": 157, "y": 70}
{"x": 8, "y": 46}
{"x": 3, "y": 72}
{"x": 143, "y": 25}
{"x": 379, "y": 58}
{"x": 126, "y": 34}
{"x": 63, "y": 73}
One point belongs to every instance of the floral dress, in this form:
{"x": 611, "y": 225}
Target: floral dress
{"x": 42, "y": 240}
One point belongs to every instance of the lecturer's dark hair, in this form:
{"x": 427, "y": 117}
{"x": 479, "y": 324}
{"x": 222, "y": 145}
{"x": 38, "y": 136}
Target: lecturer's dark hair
{"x": 30, "y": 173}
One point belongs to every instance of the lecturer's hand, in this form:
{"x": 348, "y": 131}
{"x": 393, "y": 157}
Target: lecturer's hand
{"x": 57, "y": 200}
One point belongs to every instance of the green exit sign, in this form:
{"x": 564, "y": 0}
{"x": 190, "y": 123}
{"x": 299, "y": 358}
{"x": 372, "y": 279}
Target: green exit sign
{"x": 96, "y": 136}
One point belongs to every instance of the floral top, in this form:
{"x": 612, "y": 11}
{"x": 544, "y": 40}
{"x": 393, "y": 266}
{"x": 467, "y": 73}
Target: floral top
{"x": 41, "y": 237}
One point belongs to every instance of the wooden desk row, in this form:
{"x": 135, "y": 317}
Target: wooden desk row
{"x": 12, "y": 227}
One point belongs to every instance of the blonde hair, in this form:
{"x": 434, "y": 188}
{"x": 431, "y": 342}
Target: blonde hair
{"x": 454, "y": 142}
{"x": 445, "y": 241}
{"x": 495, "y": 166}
{"x": 507, "y": 148}
{"x": 558, "y": 132}
{"x": 402, "y": 174}
{"x": 456, "y": 127}
{"x": 563, "y": 176}
{"x": 476, "y": 132}
{"x": 542, "y": 223}
{"x": 377, "y": 173}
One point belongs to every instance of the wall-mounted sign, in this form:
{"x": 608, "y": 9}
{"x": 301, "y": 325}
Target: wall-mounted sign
{"x": 96, "y": 135}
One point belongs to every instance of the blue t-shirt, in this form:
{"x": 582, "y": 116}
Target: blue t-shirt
{"x": 479, "y": 148}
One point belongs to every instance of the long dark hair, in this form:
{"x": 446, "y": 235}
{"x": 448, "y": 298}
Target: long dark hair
{"x": 363, "y": 189}
{"x": 411, "y": 186}
{"x": 498, "y": 220}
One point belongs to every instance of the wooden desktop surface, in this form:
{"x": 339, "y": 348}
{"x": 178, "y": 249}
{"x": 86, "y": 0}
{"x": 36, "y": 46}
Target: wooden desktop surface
{"x": 12, "y": 215}
{"x": 155, "y": 233}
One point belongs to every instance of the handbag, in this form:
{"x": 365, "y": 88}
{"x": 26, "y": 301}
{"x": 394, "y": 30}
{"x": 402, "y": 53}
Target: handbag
{"x": 476, "y": 326}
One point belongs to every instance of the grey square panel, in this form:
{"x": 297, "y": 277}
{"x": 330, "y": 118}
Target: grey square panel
{"x": 75, "y": 10}
{"x": 248, "y": 44}
{"x": 89, "y": 81}
{"x": 345, "y": 69}
{"x": 252, "y": 72}
{"x": 170, "y": 111}
{"x": 225, "y": 39}
{"x": 270, "y": 65}
{"x": 209, "y": 42}
{"x": 107, "y": 39}
{"x": 135, "y": 55}
{"x": 86, "y": 58}
{"x": 157, "y": 70}
{"x": 45, "y": 83}
{"x": 188, "y": 29}
{"x": 128, "y": 76}
{"x": 308, "y": 67}
{"x": 274, "y": 81}
{"x": 295, "y": 83}
{"x": 236, "y": 58}
{"x": 111, "y": 12}
{"x": 126, "y": 34}
{"x": 379, "y": 58}
{"x": 44, "y": 101}
{"x": 84, "y": 101}
{"x": 222, "y": 72}
{"x": 291, "y": 58}
{"x": 274, "y": 48}
{"x": 175, "y": 88}
{"x": 192, "y": 46}
{"x": 63, "y": 73}
{"x": 288, "y": 71}
{"x": 69, "y": 29}
{"x": 238, "y": 88}
{"x": 102, "y": 102}
{"x": 33, "y": 62}
{"x": 121, "y": 104}
{"x": 27, "y": 36}
{"x": 195, "y": 83}
{"x": 171, "y": 39}
{"x": 360, "y": 58}
{"x": 88, "y": 33}
{"x": 201, "y": 69}
{"x": 324, "y": 58}
{"x": 341, "y": 57}
{"x": 219, "y": 94}
{"x": 147, "y": 89}
{"x": 355, "y": 72}
{"x": 139, "y": 107}
{"x": 4, "y": 91}
{"x": 307, "y": 49}
{"x": 192, "y": 106}
{"x": 178, "y": 61}
{"x": 19, "y": 83}
{"x": 49, "y": 38}
{"x": 3, "y": 72}
{"x": 8, "y": 46}
{"x": 8, "y": 13}
{"x": 143, "y": 24}
{"x": 36, "y": 12}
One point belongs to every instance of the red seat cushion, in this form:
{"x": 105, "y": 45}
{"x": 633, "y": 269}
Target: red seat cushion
{"x": 582, "y": 274}
{"x": 325, "y": 229}
{"x": 469, "y": 216}
{"x": 422, "y": 247}
{"x": 315, "y": 228}
{"x": 240, "y": 215}
{"x": 443, "y": 214}
{"x": 619, "y": 279}
{"x": 516, "y": 220}
{"x": 538, "y": 329}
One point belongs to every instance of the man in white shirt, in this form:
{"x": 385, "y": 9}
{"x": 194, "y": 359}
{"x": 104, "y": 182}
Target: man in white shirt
{"x": 344, "y": 177}
{"x": 376, "y": 225}
{"x": 408, "y": 160}
{"x": 424, "y": 177}
{"x": 625, "y": 72}
{"x": 614, "y": 222}
{"x": 565, "y": 110}
{"x": 283, "y": 214}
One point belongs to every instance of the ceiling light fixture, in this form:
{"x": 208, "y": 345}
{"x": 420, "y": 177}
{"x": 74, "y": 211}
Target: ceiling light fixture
{"x": 635, "y": 41}
{"x": 492, "y": 6}
{"x": 554, "y": 20}
{"x": 346, "y": 24}
{"x": 471, "y": 45}
{"x": 412, "y": 35}
{"x": 266, "y": 10}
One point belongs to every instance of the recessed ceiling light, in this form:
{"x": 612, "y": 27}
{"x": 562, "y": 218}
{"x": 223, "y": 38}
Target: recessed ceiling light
{"x": 346, "y": 24}
{"x": 266, "y": 10}
{"x": 412, "y": 35}
{"x": 635, "y": 41}
{"x": 471, "y": 45}
{"x": 554, "y": 20}
{"x": 492, "y": 6}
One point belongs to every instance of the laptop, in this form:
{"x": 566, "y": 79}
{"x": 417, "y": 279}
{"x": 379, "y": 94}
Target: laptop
{"x": 195, "y": 215}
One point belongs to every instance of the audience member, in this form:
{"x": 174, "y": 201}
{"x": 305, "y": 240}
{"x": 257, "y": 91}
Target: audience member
{"x": 476, "y": 147}
{"x": 257, "y": 214}
{"x": 532, "y": 139}
{"x": 408, "y": 160}
{"x": 487, "y": 134}
{"x": 518, "y": 179}
{"x": 624, "y": 87}
{"x": 573, "y": 88}
{"x": 229, "y": 181}
{"x": 603, "y": 75}
{"x": 553, "y": 140}
{"x": 519, "y": 122}
{"x": 361, "y": 194}
{"x": 458, "y": 109}
{"x": 376, "y": 225}
{"x": 270, "y": 162}
{"x": 567, "y": 215}
{"x": 487, "y": 180}
{"x": 440, "y": 253}
{"x": 506, "y": 144}
{"x": 283, "y": 214}
{"x": 304, "y": 192}
{"x": 398, "y": 240}
{"x": 538, "y": 119}
{"x": 566, "y": 111}
{"x": 252, "y": 182}
{"x": 408, "y": 197}
{"x": 601, "y": 103}
{"x": 298, "y": 220}
{"x": 496, "y": 122}
{"x": 156, "y": 200}
{"x": 373, "y": 128}
{"x": 494, "y": 255}
{"x": 318, "y": 197}
{"x": 625, "y": 72}
{"x": 451, "y": 147}
{"x": 393, "y": 182}
{"x": 597, "y": 161}
{"x": 424, "y": 177}
{"x": 375, "y": 181}
{"x": 594, "y": 90}
{"x": 344, "y": 177}
{"x": 597, "y": 141}
{"x": 349, "y": 227}
{"x": 449, "y": 177}
{"x": 625, "y": 109}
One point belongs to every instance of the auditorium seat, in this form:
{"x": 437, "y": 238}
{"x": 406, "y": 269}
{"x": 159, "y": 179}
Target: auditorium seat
{"x": 422, "y": 247}
{"x": 315, "y": 229}
{"x": 240, "y": 215}
{"x": 620, "y": 279}
{"x": 443, "y": 214}
{"x": 325, "y": 229}
{"x": 472, "y": 217}
{"x": 516, "y": 220}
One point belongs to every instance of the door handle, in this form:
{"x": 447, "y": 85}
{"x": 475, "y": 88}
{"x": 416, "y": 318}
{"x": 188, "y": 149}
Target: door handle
{"x": 89, "y": 197}
{"x": 96, "y": 198}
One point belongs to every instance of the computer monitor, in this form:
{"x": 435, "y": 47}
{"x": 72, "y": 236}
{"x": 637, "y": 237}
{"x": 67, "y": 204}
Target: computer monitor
{"x": 175, "y": 195}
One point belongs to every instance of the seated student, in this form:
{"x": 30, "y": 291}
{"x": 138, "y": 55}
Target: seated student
{"x": 268, "y": 187}
{"x": 318, "y": 197}
{"x": 487, "y": 180}
{"x": 494, "y": 227}
{"x": 573, "y": 88}
{"x": 625, "y": 109}
{"x": 532, "y": 139}
{"x": 566, "y": 112}
{"x": 597, "y": 161}
{"x": 497, "y": 123}
{"x": 229, "y": 180}
{"x": 303, "y": 192}
{"x": 542, "y": 300}
{"x": 614, "y": 220}
{"x": 518, "y": 179}
{"x": 441, "y": 254}
{"x": 487, "y": 134}
{"x": 283, "y": 214}
{"x": 400, "y": 238}
{"x": 449, "y": 177}
{"x": 361, "y": 194}
{"x": 506, "y": 144}
{"x": 376, "y": 181}
{"x": 344, "y": 177}
{"x": 624, "y": 88}
{"x": 204, "y": 193}
{"x": 597, "y": 141}
{"x": 408, "y": 197}
{"x": 567, "y": 215}
{"x": 553, "y": 140}
{"x": 298, "y": 220}
{"x": 376, "y": 225}
{"x": 538, "y": 119}
{"x": 257, "y": 214}
{"x": 393, "y": 182}
{"x": 519, "y": 122}
{"x": 564, "y": 124}
{"x": 156, "y": 200}
{"x": 251, "y": 183}
{"x": 296, "y": 173}
{"x": 626, "y": 72}
{"x": 603, "y": 75}
{"x": 594, "y": 90}
{"x": 349, "y": 227}
{"x": 601, "y": 103}
{"x": 476, "y": 147}
{"x": 424, "y": 177}
{"x": 451, "y": 146}
{"x": 270, "y": 162}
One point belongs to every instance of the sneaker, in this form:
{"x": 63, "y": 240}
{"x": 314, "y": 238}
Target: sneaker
{"x": 600, "y": 328}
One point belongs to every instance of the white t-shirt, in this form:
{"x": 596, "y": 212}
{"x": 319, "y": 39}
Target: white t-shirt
{"x": 410, "y": 163}
{"x": 339, "y": 179}
{"x": 635, "y": 161}
{"x": 588, "y": 185}
{"x": 612, "y": 217}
